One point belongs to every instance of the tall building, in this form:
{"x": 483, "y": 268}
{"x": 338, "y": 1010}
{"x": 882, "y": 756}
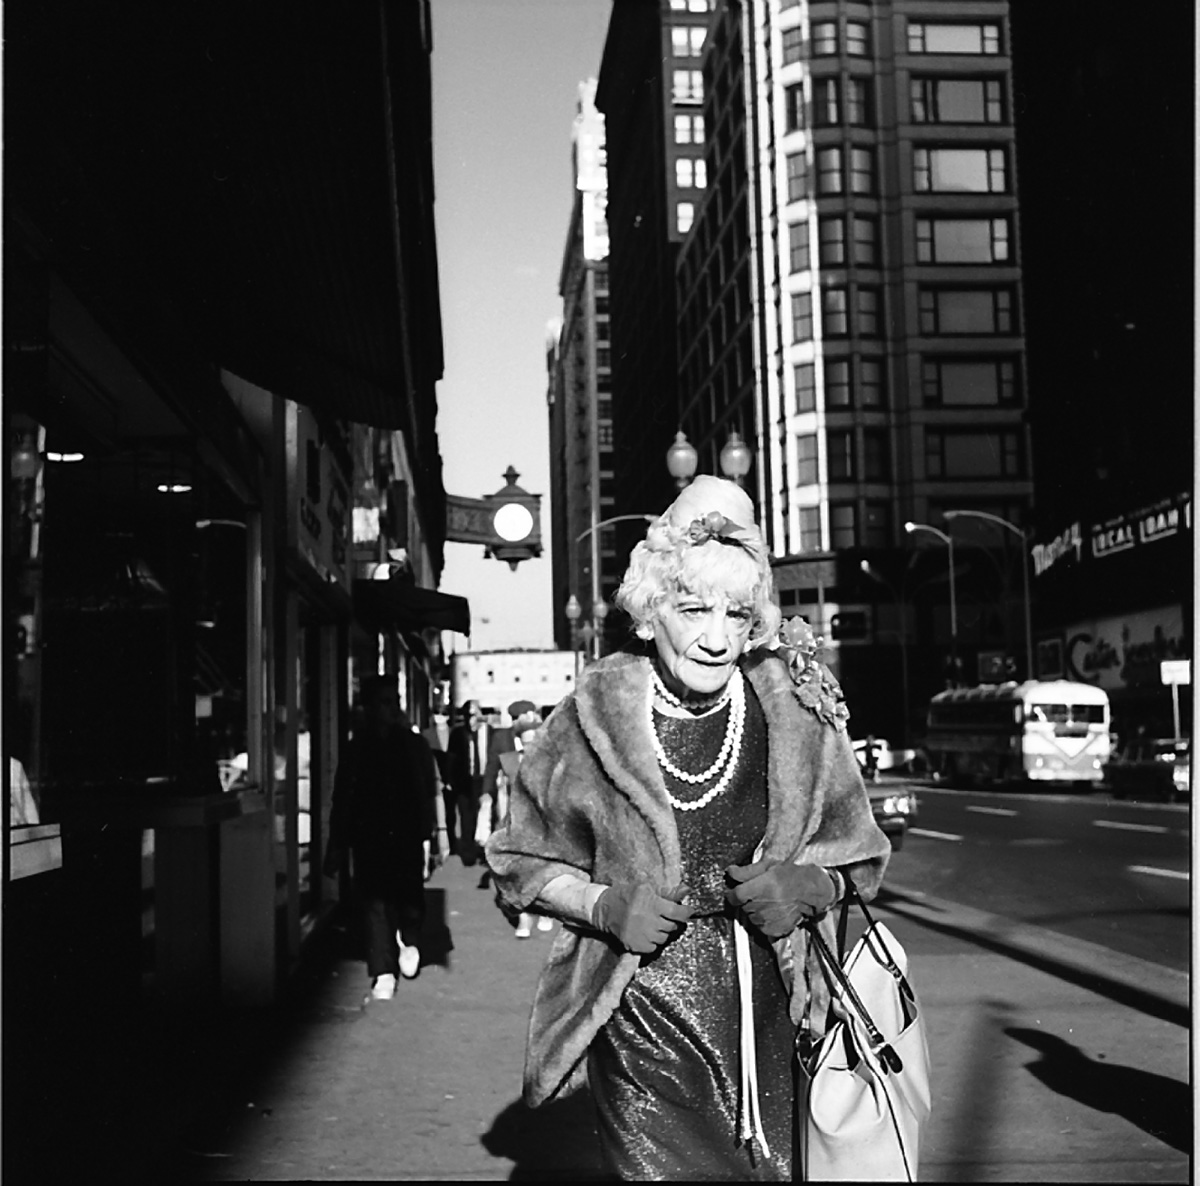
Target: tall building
{"x": 579, "y": 358}
{"x": 850, "y": 301}
{"x": 652, "y": 94}
{"x": 1110, "y": 324}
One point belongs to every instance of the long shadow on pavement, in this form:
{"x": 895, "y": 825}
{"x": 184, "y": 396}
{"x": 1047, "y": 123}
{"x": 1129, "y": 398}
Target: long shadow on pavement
{"x": 1159, "y": 1106}
{"x": 556, "y": 1142}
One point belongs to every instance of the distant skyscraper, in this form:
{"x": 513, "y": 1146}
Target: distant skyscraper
{"x": 580, "y": 392}
{"x": 652, "y": 94}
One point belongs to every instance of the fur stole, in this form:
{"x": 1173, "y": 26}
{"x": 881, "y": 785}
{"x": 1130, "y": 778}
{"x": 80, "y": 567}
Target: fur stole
{"x": 589, "y": 800}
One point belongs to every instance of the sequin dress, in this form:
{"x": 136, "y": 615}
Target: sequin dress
{"x": 664, "y": 1070}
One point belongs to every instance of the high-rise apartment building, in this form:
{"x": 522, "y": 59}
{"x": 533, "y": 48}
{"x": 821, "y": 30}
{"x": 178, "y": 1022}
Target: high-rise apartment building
{"x": 652, "y": 94}
{"x": 850, "y": 301}
{"x": 580, "y": 394}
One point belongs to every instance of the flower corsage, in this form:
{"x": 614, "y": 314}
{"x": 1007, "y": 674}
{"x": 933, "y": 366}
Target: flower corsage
{"x": 816, "y": 688}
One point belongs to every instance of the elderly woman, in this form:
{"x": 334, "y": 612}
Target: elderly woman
{"x": 683, "y": 812}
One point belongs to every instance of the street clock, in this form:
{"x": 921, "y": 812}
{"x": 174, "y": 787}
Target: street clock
{"x": 507, "y": 523}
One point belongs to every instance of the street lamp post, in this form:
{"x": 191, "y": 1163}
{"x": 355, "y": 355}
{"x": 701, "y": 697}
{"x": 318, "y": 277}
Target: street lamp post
{"x": 736, "y": 458}
{"x": 950, "y": 516}
{"x": 573, "y": 611}
{"x": 902, "y": 635}
{"x": 948, "y": 540}
{"x": 682, "y": 460}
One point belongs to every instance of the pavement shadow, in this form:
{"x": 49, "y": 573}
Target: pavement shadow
{"x": 556, "y": 1142}
{"x": 1159, "y": 1106}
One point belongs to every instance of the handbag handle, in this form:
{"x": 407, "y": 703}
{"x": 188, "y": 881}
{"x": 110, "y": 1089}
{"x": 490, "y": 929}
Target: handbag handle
{"x": 833, "y": 966}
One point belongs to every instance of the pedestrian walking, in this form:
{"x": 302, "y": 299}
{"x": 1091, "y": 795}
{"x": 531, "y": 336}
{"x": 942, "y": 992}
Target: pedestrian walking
{"x": 467, "y": 760}
{"x": 685, "y": 810}
{"x": 382, "y": 814}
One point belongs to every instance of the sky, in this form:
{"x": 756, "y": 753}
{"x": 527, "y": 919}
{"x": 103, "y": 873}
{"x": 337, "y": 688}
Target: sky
{"x": 506, "y": 77}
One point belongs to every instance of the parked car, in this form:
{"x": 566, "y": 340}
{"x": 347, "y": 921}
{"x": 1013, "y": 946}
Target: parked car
{"x": 1158, "y": 768}
{"x": 893, "y": 808}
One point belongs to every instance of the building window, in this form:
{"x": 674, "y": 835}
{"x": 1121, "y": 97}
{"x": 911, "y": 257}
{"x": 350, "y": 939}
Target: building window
{"x": 837, "y": 383}
{"x": 793, "y": 45}
{"x": 810, "y": 529}
{"x": 826, "y": 102}
{"x": 957, "y": 101}
{"x": 969, "y": 383}
{"x": 877, "y": 525}
{"x": 684, "y": 176}
{"x": 685, "y": 215}
{"x": 689, "y": 129}
{"x": 872, "y": 383}
{"x": 960, "y": 170}
{"x": 603, "y": 356}
{"x": 687, "y": 86}
{"x": 862, "y": 171}
{"x": 973, "y": 454}
{"x": 798, "y": 245}
{"x": 858, "y": 102}
{"x": 824, "y": 39}
{"x": 806, "y": 387}
{"x": 962, "y": 241}
{"x": 604, "y": 434}
{"x": 831, "y": 235}
{"x": 802, "y": 317}
{"x": 877, "y": 455}
{"x": 869, "y": 302}
{"x": 966, "y": 311}
{"x": 866, "y": 242}
{"x": 793, "y": 104}
{"x": 858, "y": 39}
{"x": 839, "y": 455}
{"x": 806, "y": 459}
{"x": 924, "y": 37}
{"x": 842, "y": 525}
{"x": 829, "y": 171}
{"x": 797, "y": 176}
{"x": 835, "y": 316}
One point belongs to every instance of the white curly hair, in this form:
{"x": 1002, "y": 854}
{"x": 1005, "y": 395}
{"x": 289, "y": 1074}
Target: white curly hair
{"x": 706, "y": 544}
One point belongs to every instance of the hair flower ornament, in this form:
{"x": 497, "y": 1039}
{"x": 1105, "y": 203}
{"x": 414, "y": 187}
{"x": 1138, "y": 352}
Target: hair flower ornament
{"x": 716, "y": 526}
{"x": 816, "y": 688}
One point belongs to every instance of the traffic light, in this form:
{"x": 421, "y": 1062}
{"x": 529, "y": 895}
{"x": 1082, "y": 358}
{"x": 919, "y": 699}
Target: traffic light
{"x": 507, "y": 523}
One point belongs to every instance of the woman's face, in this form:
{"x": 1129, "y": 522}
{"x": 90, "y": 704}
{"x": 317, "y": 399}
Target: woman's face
{"x": 699, "y": 640}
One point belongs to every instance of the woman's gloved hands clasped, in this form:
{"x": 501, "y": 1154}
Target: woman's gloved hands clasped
{"x": 639, "y": 917}
{"x": 777, "y": 896}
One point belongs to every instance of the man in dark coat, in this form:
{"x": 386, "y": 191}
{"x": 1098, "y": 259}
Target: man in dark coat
{"x": 466, "y": 762}
{"x": 382, "y": 811}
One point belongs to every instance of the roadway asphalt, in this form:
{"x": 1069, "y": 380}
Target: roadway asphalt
{"x": 1053, "y": 1061}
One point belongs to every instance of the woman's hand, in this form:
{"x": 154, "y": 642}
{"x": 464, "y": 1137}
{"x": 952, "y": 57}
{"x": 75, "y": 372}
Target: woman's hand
{"x": 639, "y": 917}
{"x": 776, "y": 897}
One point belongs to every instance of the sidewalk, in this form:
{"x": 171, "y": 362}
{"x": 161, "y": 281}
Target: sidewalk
{"x": 1036, "y": 1077}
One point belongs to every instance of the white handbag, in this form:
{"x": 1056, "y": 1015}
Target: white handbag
{"x": 867, "y": 1093}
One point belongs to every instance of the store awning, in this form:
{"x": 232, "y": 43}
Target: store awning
{"x": 409, "y": 607}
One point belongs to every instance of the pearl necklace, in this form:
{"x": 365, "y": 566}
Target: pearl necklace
{"x": 700, "y": 707}
{"x": 730, "y": 750}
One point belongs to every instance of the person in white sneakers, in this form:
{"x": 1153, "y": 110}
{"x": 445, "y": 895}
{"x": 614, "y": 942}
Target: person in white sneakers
{"x": 382, "y": 811}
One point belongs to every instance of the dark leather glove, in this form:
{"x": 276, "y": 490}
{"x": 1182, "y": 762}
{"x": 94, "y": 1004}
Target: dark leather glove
{"x": 776, "y": 897}
{"x": 639, "y": 917}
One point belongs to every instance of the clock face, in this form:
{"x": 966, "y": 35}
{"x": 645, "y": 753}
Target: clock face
{"x": 513, "y": 522}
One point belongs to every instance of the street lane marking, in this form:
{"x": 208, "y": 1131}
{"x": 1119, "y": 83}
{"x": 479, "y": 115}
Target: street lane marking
{"x": 991, "y": 810}
{"x": 1160, "y": 872}
{"x": 933, "y": 835}
{"x": 1124, "y": 827}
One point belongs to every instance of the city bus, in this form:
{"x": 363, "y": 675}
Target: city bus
{"x": 1052, "y": 731}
